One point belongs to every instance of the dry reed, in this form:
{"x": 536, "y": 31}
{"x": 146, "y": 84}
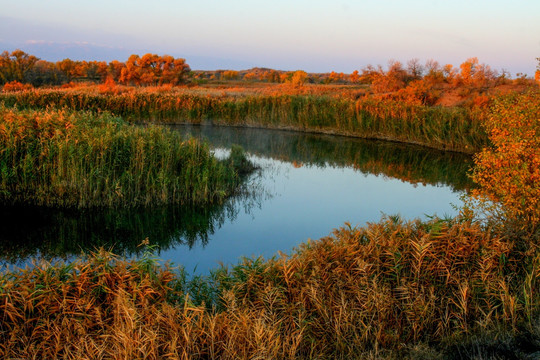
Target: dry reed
{"x": 389, "y": 285}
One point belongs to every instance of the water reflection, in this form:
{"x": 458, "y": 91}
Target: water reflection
{"x": 37, "y": 232}
{"x": 414, "y": 164}
{"x": 307, "y": 185}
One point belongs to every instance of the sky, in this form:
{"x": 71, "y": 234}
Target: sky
{"x": 312, "y": 35}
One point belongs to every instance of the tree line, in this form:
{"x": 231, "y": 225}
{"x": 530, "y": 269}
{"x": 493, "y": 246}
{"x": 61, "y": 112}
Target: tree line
{"x": 149, "y": 69}
{"x": 412, "y": 80}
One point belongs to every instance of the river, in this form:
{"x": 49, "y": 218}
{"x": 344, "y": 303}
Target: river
{"x": 306, "y": 185}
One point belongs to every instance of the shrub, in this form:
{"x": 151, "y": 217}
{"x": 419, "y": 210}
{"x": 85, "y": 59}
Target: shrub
{"x": 16, "y": 86}
{"x": 509, "y": 171}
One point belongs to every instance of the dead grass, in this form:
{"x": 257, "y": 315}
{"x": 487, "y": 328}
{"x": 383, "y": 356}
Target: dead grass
{"x": 370, "y": 292}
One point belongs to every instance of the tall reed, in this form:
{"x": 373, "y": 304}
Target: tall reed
{"x": 81, "y": 159}
{"x": 389, "y": 285}
{"x": 455, "y": 129}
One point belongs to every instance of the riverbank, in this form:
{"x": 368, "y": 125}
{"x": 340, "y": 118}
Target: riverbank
{"x": 77, "y": 159}
{"x": 448, "y": 128}
{"x": 435, "y": 289}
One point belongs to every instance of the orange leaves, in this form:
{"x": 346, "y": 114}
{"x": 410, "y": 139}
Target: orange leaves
{"x": 152, "y": 69}
{"x": 16, "y": 86}
{"x": 299, "y": 78}
{"x": 509, "y": 172}
{"x": 109, "y": 87}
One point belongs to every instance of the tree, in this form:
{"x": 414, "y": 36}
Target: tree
{"x": 131, "y": 73}
{"x": 115, "y": 69}
{"x": 370, "y": 74}
{"x": 151, "y": 69}
{"x": 69, "y": 68}
{"x": 15, "y": 66}
{"x": 509, "y": 171}
{"x": 230, "y": 75}
{"x": 354, "y": 77}
{"x": 298, "y": 79}
{"x": 45, "y": 73}
{"x": 415, "y": 69}
{"x": 393, "y": 80}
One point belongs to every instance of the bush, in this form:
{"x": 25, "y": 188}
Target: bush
{"x": 16, "y": 86}
{"x": 509, "y": 171}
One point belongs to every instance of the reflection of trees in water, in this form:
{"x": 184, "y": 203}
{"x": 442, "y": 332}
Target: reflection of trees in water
{"x": 414, "y": 164}
{"x": 29, "y": 232}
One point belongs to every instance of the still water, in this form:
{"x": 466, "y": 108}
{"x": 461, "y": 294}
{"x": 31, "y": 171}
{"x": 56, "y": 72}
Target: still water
{"x": 306, "y": 186}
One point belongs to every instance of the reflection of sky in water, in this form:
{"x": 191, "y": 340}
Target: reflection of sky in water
{"x": 309, "y": 202}
{"x": 286, "y": 203}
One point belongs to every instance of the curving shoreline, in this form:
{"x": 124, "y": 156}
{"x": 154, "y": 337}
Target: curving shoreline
{"x": 453, "y": 129}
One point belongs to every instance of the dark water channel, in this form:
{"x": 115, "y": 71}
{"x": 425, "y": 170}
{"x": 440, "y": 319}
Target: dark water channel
{"x": 307, "y": 185}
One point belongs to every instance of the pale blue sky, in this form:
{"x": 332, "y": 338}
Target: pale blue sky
{"x": 313, "y": 35}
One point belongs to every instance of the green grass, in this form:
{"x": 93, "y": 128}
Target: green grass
{"x": 65, "y": 158}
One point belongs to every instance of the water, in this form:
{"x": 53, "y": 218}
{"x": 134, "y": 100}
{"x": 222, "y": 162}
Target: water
{"x": 306, "y": 186}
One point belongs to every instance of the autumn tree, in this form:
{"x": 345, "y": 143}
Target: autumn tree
{"x": 450, "y": 73}
{"x": 272, "y": 76}
{"x": 475, "y": 74}
{"x": 95, "y": 70}
{"x": 509, "y": 171}
{"x": 370, "y": 74}
{"x": 434, "y": 74}
{"x": 151, "y": 69}
{"x": 335, "y": 77}
{"x": 115, "y": 69}
{"x": 69, "y": 68}
{"x": 15, "y": 66}
{"x": 179, "y": 71}
{"x": 298, "y": 79}
{"x": 393, "y": 80}
{"x": 354, "y": 77}
{"x": 131, "y": 73}
{"x": 230, "y": 75}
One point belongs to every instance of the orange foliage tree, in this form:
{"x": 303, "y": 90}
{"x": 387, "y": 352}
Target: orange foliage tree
{"x": 230, "y": 75}
{"x": 394, "y": 79}
{"x": 298, "y": 78}
{"x": 152, "y": 69}
{"x": 14, "y": 66}
{"x": 509, "y": 171}
{"x": 475, "y": 74}
{"x": 354, "y": 77}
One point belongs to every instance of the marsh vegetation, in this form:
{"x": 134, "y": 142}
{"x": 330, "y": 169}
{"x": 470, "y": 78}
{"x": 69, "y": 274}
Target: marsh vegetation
{"x": 461, "y": 287}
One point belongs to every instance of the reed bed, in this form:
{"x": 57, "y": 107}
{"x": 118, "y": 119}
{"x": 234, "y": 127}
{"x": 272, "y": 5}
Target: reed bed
{"x": 65, "y": 158}
{"x": 358, "y": 293}
{"x": 456, "y": 129}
